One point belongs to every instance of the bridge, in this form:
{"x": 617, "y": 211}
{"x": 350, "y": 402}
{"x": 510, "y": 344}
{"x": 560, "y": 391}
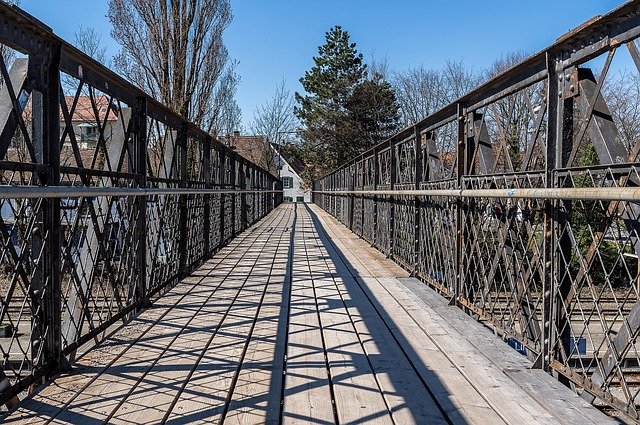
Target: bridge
{"x": 481, "y": 266}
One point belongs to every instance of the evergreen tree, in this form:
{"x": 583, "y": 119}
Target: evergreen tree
{"x": 344, "y": 110}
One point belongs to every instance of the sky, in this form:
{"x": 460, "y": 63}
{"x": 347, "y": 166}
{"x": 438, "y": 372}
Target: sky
{"x": 274, "y": 40}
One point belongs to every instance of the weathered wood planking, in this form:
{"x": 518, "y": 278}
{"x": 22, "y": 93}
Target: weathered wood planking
{"x": 307, "y": 394}
{"x": 300, "y": 321}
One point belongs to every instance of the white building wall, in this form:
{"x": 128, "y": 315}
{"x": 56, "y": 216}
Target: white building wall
{"x": 297, "y": 190}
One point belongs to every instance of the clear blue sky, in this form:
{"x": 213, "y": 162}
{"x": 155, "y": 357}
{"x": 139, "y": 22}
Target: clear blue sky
{"x": 275, "y": 39}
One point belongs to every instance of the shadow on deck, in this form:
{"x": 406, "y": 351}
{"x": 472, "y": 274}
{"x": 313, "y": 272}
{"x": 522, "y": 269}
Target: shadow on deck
{"x": 299, "y": 321}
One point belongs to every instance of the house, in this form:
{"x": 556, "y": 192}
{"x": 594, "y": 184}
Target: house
{"x": 290, "y": 170}
{"x": 270, "y": 157}
{"x": 90, "y": 118}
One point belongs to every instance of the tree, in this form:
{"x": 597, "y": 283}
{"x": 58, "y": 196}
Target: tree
{"x": 345, "y": 109}
{"x": 421, "y": 91}
{"x": 510, "y": 119}
{"x": 175, "y": 51}
{"x": 373, "y": 109}
{"x": 275, "y": 118}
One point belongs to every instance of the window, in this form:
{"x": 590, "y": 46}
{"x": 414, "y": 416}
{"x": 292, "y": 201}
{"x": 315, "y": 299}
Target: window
{"x": 299, "y": 198}
{"x": 287, "y": 182}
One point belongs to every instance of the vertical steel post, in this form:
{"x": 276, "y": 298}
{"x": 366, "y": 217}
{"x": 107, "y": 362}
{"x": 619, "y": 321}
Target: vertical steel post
{"x": 140, "y": 202}
{"x": 183, "y": 206}
{"x": 208, "y": 184}
{"x": 351, "y": 180}
{"x": 461, "y": 162}
{"x": 232, "y": 184}
{"x": 554, "y": 124}
{"x": 243, "y": 195}
{"x": 222, "y": 176}
{"x": 392, "y": 199}
{"x": 376, "y": 179}
{"x": 46, "y": 286}
{"x": 362, "y": 181}
{"x": 417, "y": 201}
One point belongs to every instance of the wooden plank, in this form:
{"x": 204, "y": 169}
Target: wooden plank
{"x": 209, "y": 388}
{"x": 164, "y": 383}
{"x": 539, "y": 392}
{"x": 53, "y": 399}
{"x": 356, "y": 391}
{"x": 258, "y": 390}
{"x": 106, "y": 393}
{"x": 406, "y": 396}
{"x": 455, "y": 394}
{"x": 503, "y": 395}
{"x": 307, "y": 394}
{"x": 563, "y": 404}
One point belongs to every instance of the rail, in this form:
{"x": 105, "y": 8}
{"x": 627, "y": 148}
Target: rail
{"x": 520, "y": 203}
{"x": 107, "y": 198}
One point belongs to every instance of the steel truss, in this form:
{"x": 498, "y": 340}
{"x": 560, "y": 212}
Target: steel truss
{"x": 520, "y": 203}
{"x": 107, "y": 198}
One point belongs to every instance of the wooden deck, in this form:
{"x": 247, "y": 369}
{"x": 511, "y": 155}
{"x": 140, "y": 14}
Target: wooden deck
{"x": 299, "y": 321}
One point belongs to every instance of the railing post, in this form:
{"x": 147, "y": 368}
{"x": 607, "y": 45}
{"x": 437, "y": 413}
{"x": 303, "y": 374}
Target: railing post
{"x": 183, "y": 212}
{"x": 232, "y": 184}
{"x": 243, "y": 195}
{"x": 350, "y": 197}
{"x": 392, "y": 199}
{"x": 362, "y": 181}
{"x": 222, "y": 176}
{"x": 253, "y": 185}
{"x": 558, "y": 245}
{"x": 553, "y": 102}
{"x": 376, "y": 179}
{"x": 140, "y": 169}
{"x": 418, "y": 201}
{"x": 208, "y": 184}
{"x": 462, "y": 159}
{"x": 46, "y": 238}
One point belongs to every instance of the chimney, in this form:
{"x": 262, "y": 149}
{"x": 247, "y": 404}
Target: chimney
{"x": 236, "y": 133}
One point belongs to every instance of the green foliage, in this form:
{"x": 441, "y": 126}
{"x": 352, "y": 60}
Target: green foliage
{"x": 345, "y": 110}
{"x": 587, "y": 218}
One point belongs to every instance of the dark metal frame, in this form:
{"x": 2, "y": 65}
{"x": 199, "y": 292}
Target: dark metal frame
{"x": 501, "y": 235}
{"x": 135, "y": 226}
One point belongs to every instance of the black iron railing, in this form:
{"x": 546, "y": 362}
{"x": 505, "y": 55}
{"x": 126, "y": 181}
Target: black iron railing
{"x": 92, "y": 230}
{"x": 520, "y": 202}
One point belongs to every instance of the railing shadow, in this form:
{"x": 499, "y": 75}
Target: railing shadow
{"x": 319, "y": 281}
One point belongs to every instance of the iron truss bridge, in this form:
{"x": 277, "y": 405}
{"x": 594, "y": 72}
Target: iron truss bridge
{"x": 149, "y": 274}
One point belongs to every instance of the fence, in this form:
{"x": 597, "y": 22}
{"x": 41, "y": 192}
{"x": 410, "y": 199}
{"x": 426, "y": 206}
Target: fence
{"x": 107, "y": 198}
{"x": 520, "y": 203}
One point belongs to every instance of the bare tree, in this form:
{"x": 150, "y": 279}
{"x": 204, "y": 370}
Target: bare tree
{"x": 510, "y": 120}
{"x": 622, "y": 94}
{"x": 175, "y": 51}
{"x": 275, "y": 118}
{"x": 421, "y": 91}
{"x": 225, "y": 114}
{"x": 418, "y": 92}
{"x": 89, "y": 41}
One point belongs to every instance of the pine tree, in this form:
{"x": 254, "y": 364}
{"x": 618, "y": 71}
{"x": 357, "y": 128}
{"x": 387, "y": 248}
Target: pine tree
{"x": 345, "y": 110}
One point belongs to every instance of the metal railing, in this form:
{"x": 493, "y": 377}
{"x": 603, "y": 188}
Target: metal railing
{"x": 520, "y": 203}
{"x": 92, "y": 229}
